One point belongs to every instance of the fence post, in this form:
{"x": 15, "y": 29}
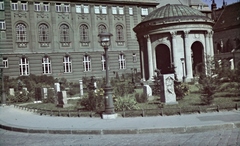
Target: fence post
{"x": 79, "y": 114}
{"x": 69, "y": 115}
{"x": 123, "y": 115}
{"x": 180, "y": 111}
{"x": 91, "y": 114}
{"x": 161, "y": 111}
{"x": 199, "y": 109}
{"x": 236, "y": 106}
{"x": 59, "y": 114}
{"x": 51, "y": 113}
{"x": 143, "y": 114}
{"x": 217, "y": 108}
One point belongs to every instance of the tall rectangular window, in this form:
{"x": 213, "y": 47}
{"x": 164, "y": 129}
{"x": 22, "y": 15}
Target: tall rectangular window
{"x": 114, "y": 10}
{"x": 24, "y": 6}
{"x": 66, "y": 8}
{"x": 24, "y": 66}
{"x": 144, "y": 11}
{"x": 103, "y": 60}
{"x": 1, "y": 5}
{"x": 46, "y": 65}
{"x": 14, "y": 5}
{"x": 5, "y": 62}
{"x": 97, "y": 9}
{"x": 45, "y": 7}
{"x": 37, "y": 6}
{"x": 85, "y": 9}
{"x": 78, "y": 9}
{"x": 58, "y": 8}
{"x": 87, "y": 63}
{"x": 2, "y": 25}
{"x": 67, "y": 64}
{"x": 122, "y": 61}
{"x": 121, "y": 10}
{"x": 130, "y": 11}
{"x": 104, "y": 9}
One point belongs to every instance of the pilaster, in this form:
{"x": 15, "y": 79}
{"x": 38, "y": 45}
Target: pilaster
{"x": 188, "y": 56}
{"x": 150, "y": 60}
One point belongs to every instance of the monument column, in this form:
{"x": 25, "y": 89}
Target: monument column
{"x": 142, "y": 59}
{"x": 211, "y": 43}
{"x": 150, "y": 59}
{"x": 188, "y": 56}
{"x": 206, "y": 51}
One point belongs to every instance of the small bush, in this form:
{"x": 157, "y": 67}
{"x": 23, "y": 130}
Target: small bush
{"x": 181, "y": 90}
{"x": 125, "y": 103}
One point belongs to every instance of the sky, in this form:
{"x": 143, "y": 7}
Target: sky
{"x": 220, "y": 2}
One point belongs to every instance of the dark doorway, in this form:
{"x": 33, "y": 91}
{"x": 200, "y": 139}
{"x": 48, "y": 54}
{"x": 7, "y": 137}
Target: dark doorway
{"x": 163, "y": 59}
{"x": 197, "y": 58}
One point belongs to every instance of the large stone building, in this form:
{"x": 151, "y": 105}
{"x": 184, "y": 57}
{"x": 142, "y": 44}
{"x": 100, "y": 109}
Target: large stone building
{"x": 175, "y": 37}
{"x": 60, "y": 38}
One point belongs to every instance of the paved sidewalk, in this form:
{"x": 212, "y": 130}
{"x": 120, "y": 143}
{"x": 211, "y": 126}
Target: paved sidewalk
{"x": 14, "y": 119}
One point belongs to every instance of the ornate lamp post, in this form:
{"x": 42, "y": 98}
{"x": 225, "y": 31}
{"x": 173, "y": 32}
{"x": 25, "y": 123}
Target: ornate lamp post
{"x": 183, "y": 77}
{"x": 105, "y": 42}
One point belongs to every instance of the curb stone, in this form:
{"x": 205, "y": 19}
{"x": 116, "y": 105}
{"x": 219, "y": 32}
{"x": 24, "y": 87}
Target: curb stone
{"x": 187, "y": 129}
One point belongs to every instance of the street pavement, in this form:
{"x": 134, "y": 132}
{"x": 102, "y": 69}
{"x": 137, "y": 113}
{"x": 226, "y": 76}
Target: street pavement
{"x": 14, "y": 119}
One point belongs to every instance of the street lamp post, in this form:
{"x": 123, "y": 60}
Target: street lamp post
{"x": 105, "y": 42}
{"x": 183, "y": 77}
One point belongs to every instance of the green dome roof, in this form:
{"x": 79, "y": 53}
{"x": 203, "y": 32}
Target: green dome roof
{"x": 169, "y": 12}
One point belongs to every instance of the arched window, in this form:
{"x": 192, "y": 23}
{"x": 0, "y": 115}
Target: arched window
{"x": 46, "y": 65}
{"x": 102, "y": 28}
{"x": 21, "y": 32}
{"x": 43, "y": 32}
{"x": 84, "y": 33}
{"x": 64, "y": 33}
{"x": 24, "y": 66}
{"x": 119, "y": 33}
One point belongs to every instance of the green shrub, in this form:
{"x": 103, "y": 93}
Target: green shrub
{"x": 125, "y": 103}
{"x": 51, "y": 98}
{"x": 181, "y": 90}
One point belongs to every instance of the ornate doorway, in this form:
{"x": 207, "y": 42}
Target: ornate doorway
{"x": 197, "y": 58}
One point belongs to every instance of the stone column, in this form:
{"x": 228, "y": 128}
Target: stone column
{"x": 150, "y": 60}
{"x": 154, "y": 58}
{"x": 174, "y": 51}
{"x": 188, "y": 56}
{"x": 142, "y": 60}
{"x": 206, "y": 51}
{"x": 211, "y": 43}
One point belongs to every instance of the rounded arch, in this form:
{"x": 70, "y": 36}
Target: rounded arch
{"x": 163, "y": 58}
{"x": 64, "y": 22}
{"x": 23, "y": 22}
{"x": 44, "y": 22}
{"x": 102, "y": 28}
{"x": 197, "y": 57}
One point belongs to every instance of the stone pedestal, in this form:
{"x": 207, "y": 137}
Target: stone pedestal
{"x": 168, "y": 95}
{"x": 147, "y": 90}
{"x": 109, "y": 116}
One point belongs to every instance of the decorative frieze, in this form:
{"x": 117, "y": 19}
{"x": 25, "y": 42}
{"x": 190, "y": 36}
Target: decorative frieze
{"x": 83, "y": 16}
{"x": 42, "y": 15}
{"x": 63, "y": 16}
{"x": 22, "y": 44}
{"x": 118, "y": 17}
{"x": 20, "y": 15}
{"x": 101, "y": 17}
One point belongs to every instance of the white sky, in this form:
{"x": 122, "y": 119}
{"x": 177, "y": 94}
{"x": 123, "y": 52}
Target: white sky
{"x": 220, "y": 2}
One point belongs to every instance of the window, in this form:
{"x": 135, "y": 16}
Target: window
{"x": 84, "y": 35}
{"x": 102, "y": 29}
{"x": 46, "y": 65}
{"x": 85, "y": 9}
{"x": 122, "y": 62}
{"x": 5, "y": 62}
{"x": 64, "y": 33}
{"x": 24, "y": 6}
{"x": 130, "y": 11}
{"x": 121, "y": 10}
{"x": 134, "y": 57}
{"x": 119, "y": 33}
{"x": 144, "y": 11}
{"x": 103, "y": 60}
{"x": 67, "y": 64}
{"x": 114, "y": 10}
{"x": 2, "y": 25}
{"x": 104, "y": 9}
{"x": 43, "y": 32}
{"x": 66, "y": 8}
{"x": 117, "y": 10}
{"x": 45, "y": 7}
{"x": 23, "y": 66}
{"x": 97, "y": 9}
{"x": 21, "y": 33}
{"x": 14, "y": 6}
{"x": 78, "y": 9}
{"x": 86, "y": 63}
{"x": 58, "y": 8}
{"x": 1, "y": 5}
{"x": 37, "y": 6}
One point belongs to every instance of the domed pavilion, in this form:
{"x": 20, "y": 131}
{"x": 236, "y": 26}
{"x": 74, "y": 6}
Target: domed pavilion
{"x": 174, "y": 38}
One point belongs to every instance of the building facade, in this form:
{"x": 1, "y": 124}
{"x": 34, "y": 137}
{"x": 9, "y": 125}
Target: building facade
{"x": 60, "y": 38}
